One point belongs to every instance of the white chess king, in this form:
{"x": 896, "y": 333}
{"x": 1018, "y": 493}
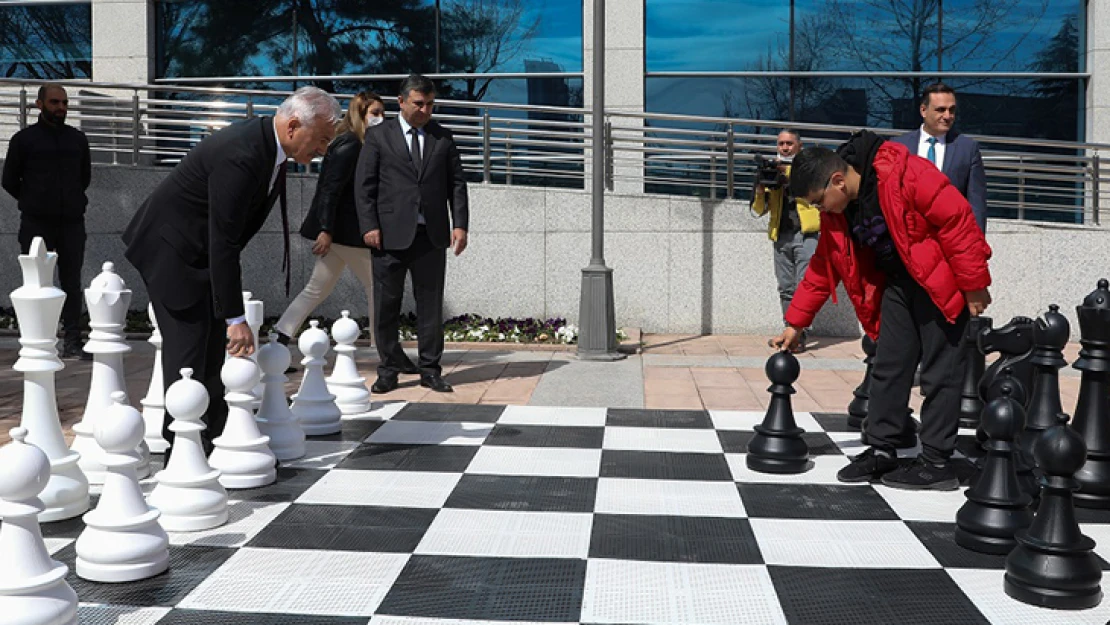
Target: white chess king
{"x": 38, "y": 305}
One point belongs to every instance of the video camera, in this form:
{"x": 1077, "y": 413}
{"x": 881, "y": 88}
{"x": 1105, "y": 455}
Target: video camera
{"x": 768, "y": 173}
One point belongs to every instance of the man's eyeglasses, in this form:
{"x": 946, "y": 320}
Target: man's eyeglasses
{"x": 820, "y": 204}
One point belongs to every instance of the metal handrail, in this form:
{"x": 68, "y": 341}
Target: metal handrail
{"x": 549, "y": 145}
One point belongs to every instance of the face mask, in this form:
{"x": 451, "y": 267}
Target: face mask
{"x": 374, "y": 121}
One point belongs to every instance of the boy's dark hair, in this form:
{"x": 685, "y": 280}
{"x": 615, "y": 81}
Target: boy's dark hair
{"x": 812, "y": 169}
{"x": 417, "y": 83}
{"x": 937, "y": 87}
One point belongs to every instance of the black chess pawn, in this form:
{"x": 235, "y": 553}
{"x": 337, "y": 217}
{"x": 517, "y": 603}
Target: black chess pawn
{"x": 996, "y": 506}
{"x": 857, "y": 409}
{"x": 1014, "y": 344}
{"x": 975, "y": 363}
{"x": 1053, "y": 564}
{"x": 1092, "y": 411}
{"x": 778, "y": 446}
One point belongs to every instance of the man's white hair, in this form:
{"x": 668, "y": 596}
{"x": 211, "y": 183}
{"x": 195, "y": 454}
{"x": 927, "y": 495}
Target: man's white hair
{"x": 310, "y": 105}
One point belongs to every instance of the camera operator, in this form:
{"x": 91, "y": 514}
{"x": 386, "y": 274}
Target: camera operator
{"x": 793, "y": 225}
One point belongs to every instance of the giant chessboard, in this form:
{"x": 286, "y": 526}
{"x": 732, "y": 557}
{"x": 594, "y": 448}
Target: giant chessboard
{"x": 441, "y": 513}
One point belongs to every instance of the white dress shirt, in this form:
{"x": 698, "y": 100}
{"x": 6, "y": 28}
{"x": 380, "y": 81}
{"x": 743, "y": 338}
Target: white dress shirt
{"x": 923, "y": 148}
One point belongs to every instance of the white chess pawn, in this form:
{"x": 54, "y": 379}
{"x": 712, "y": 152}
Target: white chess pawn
{"x": 189, "y": 494}
{"x": 349, "y": 388}
{"x": 253, "y": 311}
{"x": 242, "y": 453}
{"x": 33, "y": 588}
{"x": 274, "y": 417}
{"x": 107, "y": 299}
{"x": 122, "y": 540}
{"x": 313, "y": 406}
{"x": 38, "y": 305}
{"x": 154, "y": 407}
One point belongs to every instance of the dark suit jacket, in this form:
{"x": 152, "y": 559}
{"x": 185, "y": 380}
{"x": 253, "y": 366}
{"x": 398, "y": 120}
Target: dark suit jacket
{"x": 333, "y": 206}
{"x": 963, "y": 164}
{"x": 187, "y": 237}
{"x": 389, "y": 192}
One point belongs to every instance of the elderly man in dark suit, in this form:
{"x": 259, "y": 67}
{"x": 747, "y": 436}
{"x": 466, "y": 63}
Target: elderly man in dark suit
{"x": 956, "y": 155}
{"x": 187, "y": 238}
{"x": 410, "y": 194}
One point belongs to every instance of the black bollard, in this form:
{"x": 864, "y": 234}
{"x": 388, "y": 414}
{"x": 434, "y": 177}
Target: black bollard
{"x": 1092, "y": 411}
{"x": 975, "y": 363}
{"x": 857, "y": 409}
{"x": 1053, "y": 564}
{"x": 997, "y": 506}
{"x": 778, "y": 446}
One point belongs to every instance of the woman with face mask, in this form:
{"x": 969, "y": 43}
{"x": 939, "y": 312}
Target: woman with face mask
{"x": 332, "y": 224}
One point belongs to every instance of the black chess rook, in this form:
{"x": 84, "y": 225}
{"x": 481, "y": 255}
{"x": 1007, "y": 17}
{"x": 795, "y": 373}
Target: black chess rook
{"x": 778, "y": 446}
{"x": 1053, "y": 564}
{"x": 861, "y": 396}
{"x": 1092, "y": 410}
{"x": 975, "y": 363}
{"x": 997, "y": 506}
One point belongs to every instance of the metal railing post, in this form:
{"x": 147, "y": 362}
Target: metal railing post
{"x": 1021, "y": 188}
{"x": 250, "y": 107}
{"x": 730, "y": 165}
{"x": 713, "y": 177}
{"x": 508, "y": 152}
{"x": 486, "y": 146}
{"x": 610, "y": 154}
{"x": 1095, "y": 191}
{"x": 22, "y": 108}
{"x": 135, "y": 119}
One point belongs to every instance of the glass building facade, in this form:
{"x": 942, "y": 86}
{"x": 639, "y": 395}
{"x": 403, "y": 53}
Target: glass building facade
{"x": 46, "y": 41}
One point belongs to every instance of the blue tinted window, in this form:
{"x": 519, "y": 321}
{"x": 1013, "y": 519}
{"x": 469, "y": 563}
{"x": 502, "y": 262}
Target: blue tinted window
{"x": 46, "y": 41}
{"x": 716, "y": 35}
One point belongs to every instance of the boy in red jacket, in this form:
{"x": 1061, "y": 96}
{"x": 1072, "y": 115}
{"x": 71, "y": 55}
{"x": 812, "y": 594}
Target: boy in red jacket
{"x": 904, "y": 243}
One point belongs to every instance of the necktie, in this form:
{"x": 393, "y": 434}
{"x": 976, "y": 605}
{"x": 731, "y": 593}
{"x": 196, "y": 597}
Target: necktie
{"x": 414, "y": 148}
{"x": 279, "y": 188}
{"x": 932, "y": 154}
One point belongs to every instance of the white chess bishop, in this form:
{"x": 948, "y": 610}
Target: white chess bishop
{"x": 274, "y": 417}
{"x": 154, "y": 409}
{"x": 349, "y": 388}
{"x": 189, "y": 494}
{"x": 313, "y": 406}
{"x": 122, "y": 540}
{"x": 33, "y": 588}
{"x": 38, "y": 305}
{"x": 242, "y": 454}
{"x": 107, "y": 299}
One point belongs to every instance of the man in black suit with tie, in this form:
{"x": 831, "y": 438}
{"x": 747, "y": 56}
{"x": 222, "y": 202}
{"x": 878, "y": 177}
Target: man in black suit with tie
{"x": 956, "y": 155}
{"x": 410, "y": 193}
{"x": 187, "y": 237}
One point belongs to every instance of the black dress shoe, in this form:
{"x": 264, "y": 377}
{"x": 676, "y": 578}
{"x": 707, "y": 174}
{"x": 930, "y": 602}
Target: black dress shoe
{"x": 383, "y": 385}
{"x": 436, "y": 383}
{"x": 408, "y": 367}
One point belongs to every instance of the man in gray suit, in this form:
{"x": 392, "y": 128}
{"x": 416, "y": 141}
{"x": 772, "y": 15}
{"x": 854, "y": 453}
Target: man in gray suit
{"x": 954, "y": 154}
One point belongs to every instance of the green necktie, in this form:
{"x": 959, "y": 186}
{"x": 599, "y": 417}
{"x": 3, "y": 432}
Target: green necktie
{"x": 932, "y": 154}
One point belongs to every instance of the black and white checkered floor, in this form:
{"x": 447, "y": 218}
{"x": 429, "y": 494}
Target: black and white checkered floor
{"x": 451, "y": 514}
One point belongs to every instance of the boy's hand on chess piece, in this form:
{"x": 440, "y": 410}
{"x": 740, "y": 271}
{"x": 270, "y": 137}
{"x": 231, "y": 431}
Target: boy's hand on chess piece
{"x": 977, "y": 301}
{"x": 789, "y": 341}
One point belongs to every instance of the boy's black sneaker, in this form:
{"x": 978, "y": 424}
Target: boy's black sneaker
{"x": 872, "y": 464}
{"x": 923, "y": 475}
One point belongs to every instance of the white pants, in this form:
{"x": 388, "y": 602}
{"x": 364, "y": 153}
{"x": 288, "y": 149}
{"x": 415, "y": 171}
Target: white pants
{"x": 325, "y": 274}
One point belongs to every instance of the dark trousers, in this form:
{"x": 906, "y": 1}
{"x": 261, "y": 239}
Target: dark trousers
{"x": 427, "y": 264}
{"x": 67, "y": 238}
{"x": 193, "y": 338}
{"x": 914, "y": 328}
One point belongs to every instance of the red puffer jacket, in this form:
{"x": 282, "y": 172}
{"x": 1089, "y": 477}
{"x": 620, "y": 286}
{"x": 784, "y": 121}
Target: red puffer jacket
{"x": 933, "y": 229}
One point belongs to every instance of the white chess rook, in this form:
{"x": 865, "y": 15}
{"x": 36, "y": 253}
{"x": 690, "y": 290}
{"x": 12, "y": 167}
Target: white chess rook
{"x": 33, "y": 588}
{"x": 274, "y": 417}
{"x": 38, "y": 305}
{"x": 122, "y": 540}
{"x": 313, "y": 406}
{"x": 107, "y": 299}
{"x": 254, "y": 312}
{"x": 154, "y": 408}
{"x": 242, "y": 453}
{"x": 349, "y": 388}
{"x": 189, "y": 494}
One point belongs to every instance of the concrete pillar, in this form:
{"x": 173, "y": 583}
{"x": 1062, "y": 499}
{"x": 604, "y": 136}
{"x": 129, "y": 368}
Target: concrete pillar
{"x": 1098, "y": 91}
{"x": 624, "y": 79}
{"x": 123, "y": 41}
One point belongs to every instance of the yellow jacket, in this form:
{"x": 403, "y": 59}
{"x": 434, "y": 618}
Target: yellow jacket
{"x": 809, "y": 217}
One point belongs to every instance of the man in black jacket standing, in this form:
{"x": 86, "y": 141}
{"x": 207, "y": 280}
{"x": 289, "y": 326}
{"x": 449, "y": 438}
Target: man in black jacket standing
{"x": 187, "y": 238}
{"x": 410, "y": 193}
{"x": 47, "y": 171}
